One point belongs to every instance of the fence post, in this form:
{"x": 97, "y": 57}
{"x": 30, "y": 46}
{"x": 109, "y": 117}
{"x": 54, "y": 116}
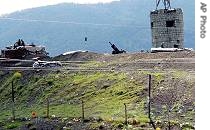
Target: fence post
{"x": 48, "y": 106}
{"x": 126, "y": 116}
{"x": 149, "y": 103}
{"x": 83, "y": 111}
{"x": 13, "y": 101}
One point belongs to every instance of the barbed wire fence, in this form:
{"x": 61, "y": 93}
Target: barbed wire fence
{"x": 79, "y": 110}
{"x": 82, "y": 110}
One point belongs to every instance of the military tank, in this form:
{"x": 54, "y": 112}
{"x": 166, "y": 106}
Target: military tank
{"x": 22, "y": 54}
{"x": 21, "y": 50}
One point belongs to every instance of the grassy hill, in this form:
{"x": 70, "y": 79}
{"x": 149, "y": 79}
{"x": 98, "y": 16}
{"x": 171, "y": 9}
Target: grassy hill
{"x": 103, "y": 93}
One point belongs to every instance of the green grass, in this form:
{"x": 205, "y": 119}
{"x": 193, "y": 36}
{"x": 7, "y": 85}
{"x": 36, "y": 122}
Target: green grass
{"x": 12, "y": 125}
{"x": 92, "y": 64}
{"x": 103, "y": 93}
{"x": 66, "y": 110}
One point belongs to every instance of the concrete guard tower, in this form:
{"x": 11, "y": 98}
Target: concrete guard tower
{"x": 167, "y": 26}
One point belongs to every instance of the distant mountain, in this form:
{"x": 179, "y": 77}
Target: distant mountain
{"x": 64, "y": 27}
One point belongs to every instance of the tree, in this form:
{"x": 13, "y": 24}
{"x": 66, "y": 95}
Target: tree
{"x": 17, "y": 75}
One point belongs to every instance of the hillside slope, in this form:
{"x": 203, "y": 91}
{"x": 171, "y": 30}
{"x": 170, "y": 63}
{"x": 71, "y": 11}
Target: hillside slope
{"x": 104, "y": 94}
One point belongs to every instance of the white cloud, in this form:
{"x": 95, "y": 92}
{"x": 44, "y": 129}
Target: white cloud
{"x": 9, "y": 6}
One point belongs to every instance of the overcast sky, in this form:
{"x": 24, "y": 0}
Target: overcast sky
{"x": 9, "y": 6}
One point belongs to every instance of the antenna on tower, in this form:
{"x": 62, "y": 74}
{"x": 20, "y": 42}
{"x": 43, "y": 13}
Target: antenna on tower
{"x": 166, "y": 3}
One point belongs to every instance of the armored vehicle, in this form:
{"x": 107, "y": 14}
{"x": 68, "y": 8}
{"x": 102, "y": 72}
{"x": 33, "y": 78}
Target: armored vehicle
{"x": 20, "y": 50}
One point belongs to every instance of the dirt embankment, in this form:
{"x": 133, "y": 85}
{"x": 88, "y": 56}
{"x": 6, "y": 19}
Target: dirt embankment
{"x": 184, "y": 60}
{"x": 91, "y": 56}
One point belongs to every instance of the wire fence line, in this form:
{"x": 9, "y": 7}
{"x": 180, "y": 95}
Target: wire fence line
{"x": 79, "y": 109}
{"x": 70, "y": 109}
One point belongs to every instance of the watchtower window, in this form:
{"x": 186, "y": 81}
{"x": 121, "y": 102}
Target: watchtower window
{"x": 170, "y": 23}
{"x": 152, "y": 24}
{"x": 176, "y": 46}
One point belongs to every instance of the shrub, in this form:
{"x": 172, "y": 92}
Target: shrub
{"x": 12, "y": 125}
